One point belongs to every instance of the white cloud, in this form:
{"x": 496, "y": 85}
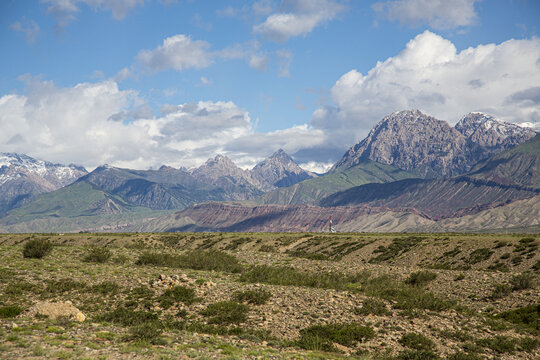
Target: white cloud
{"x": 28, "y": 27}
{"x": 297, "y": 17}
{"x": 438, "y": 14}
{"x": 64, "y": 11}
{"x": 431, "y": 75}
{"x": 178, "y": 52}
{"x": 97, "y": 123}
{"x": 258, "y": 61}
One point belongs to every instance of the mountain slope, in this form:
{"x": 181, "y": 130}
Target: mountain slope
{"x": 519, "y": 166}
{"x": 22, "y": 178}
{"x": 312, "y": 190}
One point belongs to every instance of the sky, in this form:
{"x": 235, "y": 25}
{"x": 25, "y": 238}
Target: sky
{"x": 143, "y": 83}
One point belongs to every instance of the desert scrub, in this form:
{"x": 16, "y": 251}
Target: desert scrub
{"x": 420, "y": 278}
{"x": 500, "y": 291}
{"x": 128, "y": 317}
{"x": 177, "y": 294}
{"x": 281, "y": 275}
{"x": 500, "y": 344}
{"x": 9, "y": 311}
{"x": 479, "y": 255}
{"x": 106, "y": 288}
{"x": 37, "y": 248}
{"x": 417, "y": 341}
{"x": 147, "y": 332}
{"x": 528, "y": 317}
{"x": 417, "y": 355}
{"x": 372, "y": 306}
{"x": 98, "y": 254}
{"x": 195, "y": 259}
{"x": 226, "y": 312}
{"x": 397, "y": 247}
{"x": 255, "y": 297}
{"x": 523, "y": 282}
{"x": 322, "y": 337}
{"x": 63, "y": 285}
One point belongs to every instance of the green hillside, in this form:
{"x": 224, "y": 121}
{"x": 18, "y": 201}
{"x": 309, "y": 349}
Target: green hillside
{"x": 518, "y": 166}
{"x": 75, "y": 207}
{"x": 312, "y": 190}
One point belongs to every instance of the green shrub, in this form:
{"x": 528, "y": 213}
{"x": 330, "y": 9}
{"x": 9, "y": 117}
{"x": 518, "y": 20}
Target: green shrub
{"x": 226, "y": 312}
{"x": 147, "y": 332}
{"x": 528, "y": 316}
{"x": 528, "y": 344}
{"x": 281, "y": 275}
{"x": 98, "y": 255}
{"x": 536, "y": 266}
{"x": 9, "y": 311}
{"x": 37, "y": 249}
{"x": 397, "y": 247}
{"x": 128, "y": 317}
{"x": 523, "y": 282}
{"x": 420, "y": 278}
{"x": 479, "y": 255}
{"x": 255, "y": 297}
{"x": 177, "y": 294}
{"x": 63, "y": 285}
{"x": 459, "y": 277}
{"x": 464, "y": 356}
{"x": 500, "y": 344}
{"x": 322, "y": 337}
{"x": 372, "y": 306}
{"x": 500, "y": 291}
{"x": 417, "y": 341}
{"x": 106, "y": 287}
{"x": 417, "y": 355}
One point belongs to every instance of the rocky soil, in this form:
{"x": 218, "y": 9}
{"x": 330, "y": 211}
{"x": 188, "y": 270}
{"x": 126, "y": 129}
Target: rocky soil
{"x": 452, "y": 308}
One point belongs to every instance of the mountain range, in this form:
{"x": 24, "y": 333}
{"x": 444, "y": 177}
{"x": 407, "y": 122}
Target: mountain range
{"x": 411, "y": 172}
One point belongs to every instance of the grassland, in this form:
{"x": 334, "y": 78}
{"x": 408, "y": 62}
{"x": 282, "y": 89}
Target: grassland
{"x": 272, "y": 295}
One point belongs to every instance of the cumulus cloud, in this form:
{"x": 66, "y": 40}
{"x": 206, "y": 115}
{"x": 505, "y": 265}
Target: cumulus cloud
{"x": 28, "y": 27}
{"x": 438, "y": 14}
{"x": 297, "y": 17}
{"x": 97, "y": 123}
{"x": 178, "y": 52}
{"x": 431, "y": 75}
{"x": 65, "y": 11}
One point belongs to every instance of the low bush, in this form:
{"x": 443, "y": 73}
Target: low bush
{"x": 226, "y": 312}
{"x": 37, "y": 248}
{"x": 372, "y": 306}
{"x": 128, "y": 317}
{"x": 98, "y": 254}
{"x": 479, "y": 255}
{"x": 500, "y": 344}
{"x": 281, "y": 275}
{"x": 9, "y": 311}
{"x": 528, "y": 316}
{"x": 322, "y": 337}
{"x": 417, "y": 355}
{"x": 106, "y": 287}
{"x": 417, "y": 342}
{"x": 177, "y": 294}
{"x": 464, "y": 356}
{"x": 420, "y": 278}
{"x": 523, "y": 282}
{"x": 64, "y": 285}
{"x": 255, "y": 297}
{"x": 147, "y": 332}
{"x": 500, "y": 291}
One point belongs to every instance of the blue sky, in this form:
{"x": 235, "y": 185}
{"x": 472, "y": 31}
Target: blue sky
{"x": 140, "y": 83}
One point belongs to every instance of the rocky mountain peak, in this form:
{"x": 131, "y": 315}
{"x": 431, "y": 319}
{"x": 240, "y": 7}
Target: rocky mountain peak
{"x": 489, "y": 132}
{"x": 280, "y": 170}
{"x": 411, "y": 141}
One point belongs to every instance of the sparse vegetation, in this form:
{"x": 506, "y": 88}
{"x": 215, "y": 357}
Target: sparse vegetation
{"x": 186, "y": 285}
{"x": 255, "y": 297}
{"x": 226, "y": 312}
{"x": 421, "y": 278}
{"x": 322, "y": 337}
{"x": 37, "y": 248}
{"x": 98, "y": 254}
